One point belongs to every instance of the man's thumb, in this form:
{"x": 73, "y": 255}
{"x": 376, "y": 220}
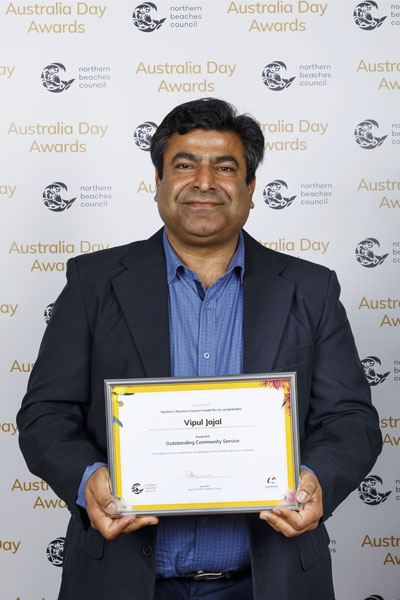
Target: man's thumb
{"x": 302, "y": 496}
{"x": 101, "y": 490}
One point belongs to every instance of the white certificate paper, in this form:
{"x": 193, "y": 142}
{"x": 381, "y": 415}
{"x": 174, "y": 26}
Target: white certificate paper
{"x": 203, "y": 444}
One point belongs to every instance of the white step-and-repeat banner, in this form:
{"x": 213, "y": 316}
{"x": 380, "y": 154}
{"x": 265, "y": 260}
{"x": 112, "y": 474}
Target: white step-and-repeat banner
{"x": 83, "y": 86}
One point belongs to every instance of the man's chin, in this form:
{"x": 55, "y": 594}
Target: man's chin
{"x": 203, "y": 237}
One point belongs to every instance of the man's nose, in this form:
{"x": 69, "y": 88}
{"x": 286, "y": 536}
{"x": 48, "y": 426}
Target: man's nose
{"x": 204, "y": 179}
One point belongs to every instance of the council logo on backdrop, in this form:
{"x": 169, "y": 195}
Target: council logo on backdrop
{"x": 365, "y": 253}
{"x": 51, "y": 78}
{"x": 371, "y": 375}
{"x": 143, "y": 17}
{"x": 364, "y": 134}
{"x": 374, "y": 597}
{"x": 365, "y": 16}
{"x": 52, "y": 197}
{"x": 368, "y": 493}
{"x": 55, "y": 551}
{"x": 274, "y": 195}
{"x": 143, "y": 135}
{"x": 48, "y": 311}
{"x": 272, "y": 76}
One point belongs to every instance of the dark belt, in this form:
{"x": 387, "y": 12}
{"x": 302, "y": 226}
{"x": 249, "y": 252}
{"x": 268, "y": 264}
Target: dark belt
{"x": 210, "y": 576}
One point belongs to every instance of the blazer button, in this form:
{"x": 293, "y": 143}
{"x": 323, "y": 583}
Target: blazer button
{"x": 147, "y": 550}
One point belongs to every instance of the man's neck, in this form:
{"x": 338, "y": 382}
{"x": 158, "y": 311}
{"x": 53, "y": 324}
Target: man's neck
{"x": 208, "y": 262}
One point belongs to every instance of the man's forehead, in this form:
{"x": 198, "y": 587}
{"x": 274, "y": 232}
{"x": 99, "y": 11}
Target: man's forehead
{"x": 206, "y": 143}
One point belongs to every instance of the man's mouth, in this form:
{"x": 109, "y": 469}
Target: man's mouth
{"x": 202, "y": 203}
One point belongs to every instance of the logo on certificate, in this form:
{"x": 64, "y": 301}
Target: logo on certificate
{"x": 271, "y": 482}
{"x": 136, "y": 489}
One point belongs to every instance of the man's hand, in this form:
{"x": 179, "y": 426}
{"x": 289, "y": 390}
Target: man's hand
{"x": 292, "y": 522}
{"x": 100, "y": 505}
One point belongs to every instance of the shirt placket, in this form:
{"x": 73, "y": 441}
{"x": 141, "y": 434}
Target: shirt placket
{"x": 207, "y": 335}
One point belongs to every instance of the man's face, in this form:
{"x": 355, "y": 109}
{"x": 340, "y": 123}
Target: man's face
{"x": 203, "y": 197}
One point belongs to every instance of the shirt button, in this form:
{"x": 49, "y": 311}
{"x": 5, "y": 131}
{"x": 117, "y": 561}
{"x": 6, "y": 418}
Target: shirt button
{"x": 204, "y": 520}
{"x": 206, "y": 355}
{"x": 147, "y": 550}
{"x": 208, "y": 305}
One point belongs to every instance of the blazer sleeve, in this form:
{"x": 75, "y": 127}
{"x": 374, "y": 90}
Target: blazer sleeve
{"x": 343, "y": 438}
{"x": 51, "y": 421}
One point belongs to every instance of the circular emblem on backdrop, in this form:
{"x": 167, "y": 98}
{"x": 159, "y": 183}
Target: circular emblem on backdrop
{"x": 368, "y": 493}
{"x": 374, "y": 597}
{"x": 51, "y": 78}
{"x": 272, "y": 78}
{"x": 364, "y": 134}
{"x": 365, "y": 253}
{"x": 143, "y": 134}
{"x": 372, "y": 377}
{"x": 273, "y": 195}
{"x": 136, "y": 489}
{"x": 142, "y": 17}
{"x": 364, "y": 16}
{"x": 52, "y": 197}
{"x": 55, "y": 551}
{"x": 48, "y": 312}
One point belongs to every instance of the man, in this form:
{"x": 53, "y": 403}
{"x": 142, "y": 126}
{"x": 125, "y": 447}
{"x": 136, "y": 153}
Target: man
{"x": 199, "y": 298}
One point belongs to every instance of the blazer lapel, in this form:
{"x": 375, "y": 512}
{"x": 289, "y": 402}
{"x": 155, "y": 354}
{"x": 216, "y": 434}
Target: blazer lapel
{"x": 142, "y": 292}
{"x": 267, "y": 298}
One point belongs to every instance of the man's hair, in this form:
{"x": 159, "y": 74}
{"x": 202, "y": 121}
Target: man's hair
{"x": 209, "y": 114}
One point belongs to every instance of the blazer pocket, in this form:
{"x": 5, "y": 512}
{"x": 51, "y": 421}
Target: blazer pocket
{"x": 312, "y": 545}
{"x": 294, "y": 356}
{"x": 89, "y": 540}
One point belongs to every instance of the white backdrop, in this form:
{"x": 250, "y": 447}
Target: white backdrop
{"x": 77, "y": 80}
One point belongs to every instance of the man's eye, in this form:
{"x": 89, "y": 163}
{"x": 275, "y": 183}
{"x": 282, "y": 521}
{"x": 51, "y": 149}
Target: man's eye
{"x": 183, "y": 166}
{"x": 225, "y": 168}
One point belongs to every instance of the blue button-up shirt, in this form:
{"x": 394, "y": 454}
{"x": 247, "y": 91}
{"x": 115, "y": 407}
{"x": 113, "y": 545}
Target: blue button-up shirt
{"x": 206, "y": 339}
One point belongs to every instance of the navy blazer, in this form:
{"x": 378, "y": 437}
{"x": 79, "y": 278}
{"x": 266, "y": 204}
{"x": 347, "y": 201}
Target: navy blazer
{"x": 111, "y": 322}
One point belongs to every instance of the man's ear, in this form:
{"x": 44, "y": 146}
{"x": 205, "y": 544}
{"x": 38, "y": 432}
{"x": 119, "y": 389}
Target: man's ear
{"x": 158, "y": 182}
{"x": 251, "y": 187}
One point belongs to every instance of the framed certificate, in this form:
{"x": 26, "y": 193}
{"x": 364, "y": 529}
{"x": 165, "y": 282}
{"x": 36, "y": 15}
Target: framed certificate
{"x": 197, "y": 445}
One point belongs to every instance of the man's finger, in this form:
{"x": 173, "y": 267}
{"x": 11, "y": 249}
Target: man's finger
{"x": 140, "y": 522}
{"x": 109, "y": 528}
{"x": 290, "y": 524}
{"x": 308, "y": 485}
{"x": 299, "y": 520}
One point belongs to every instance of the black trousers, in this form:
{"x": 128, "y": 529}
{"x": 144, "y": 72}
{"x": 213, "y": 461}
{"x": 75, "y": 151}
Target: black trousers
{"x": 236, "y": 588}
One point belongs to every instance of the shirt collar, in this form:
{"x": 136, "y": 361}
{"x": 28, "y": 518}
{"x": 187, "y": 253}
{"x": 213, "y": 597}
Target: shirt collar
{"x": 174, "y": 262}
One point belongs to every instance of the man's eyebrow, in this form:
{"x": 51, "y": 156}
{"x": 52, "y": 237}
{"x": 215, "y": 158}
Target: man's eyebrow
{"x": 187, "y": 156}
{"x": 224, "y": 158}
{"x": 215, "y": 160}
